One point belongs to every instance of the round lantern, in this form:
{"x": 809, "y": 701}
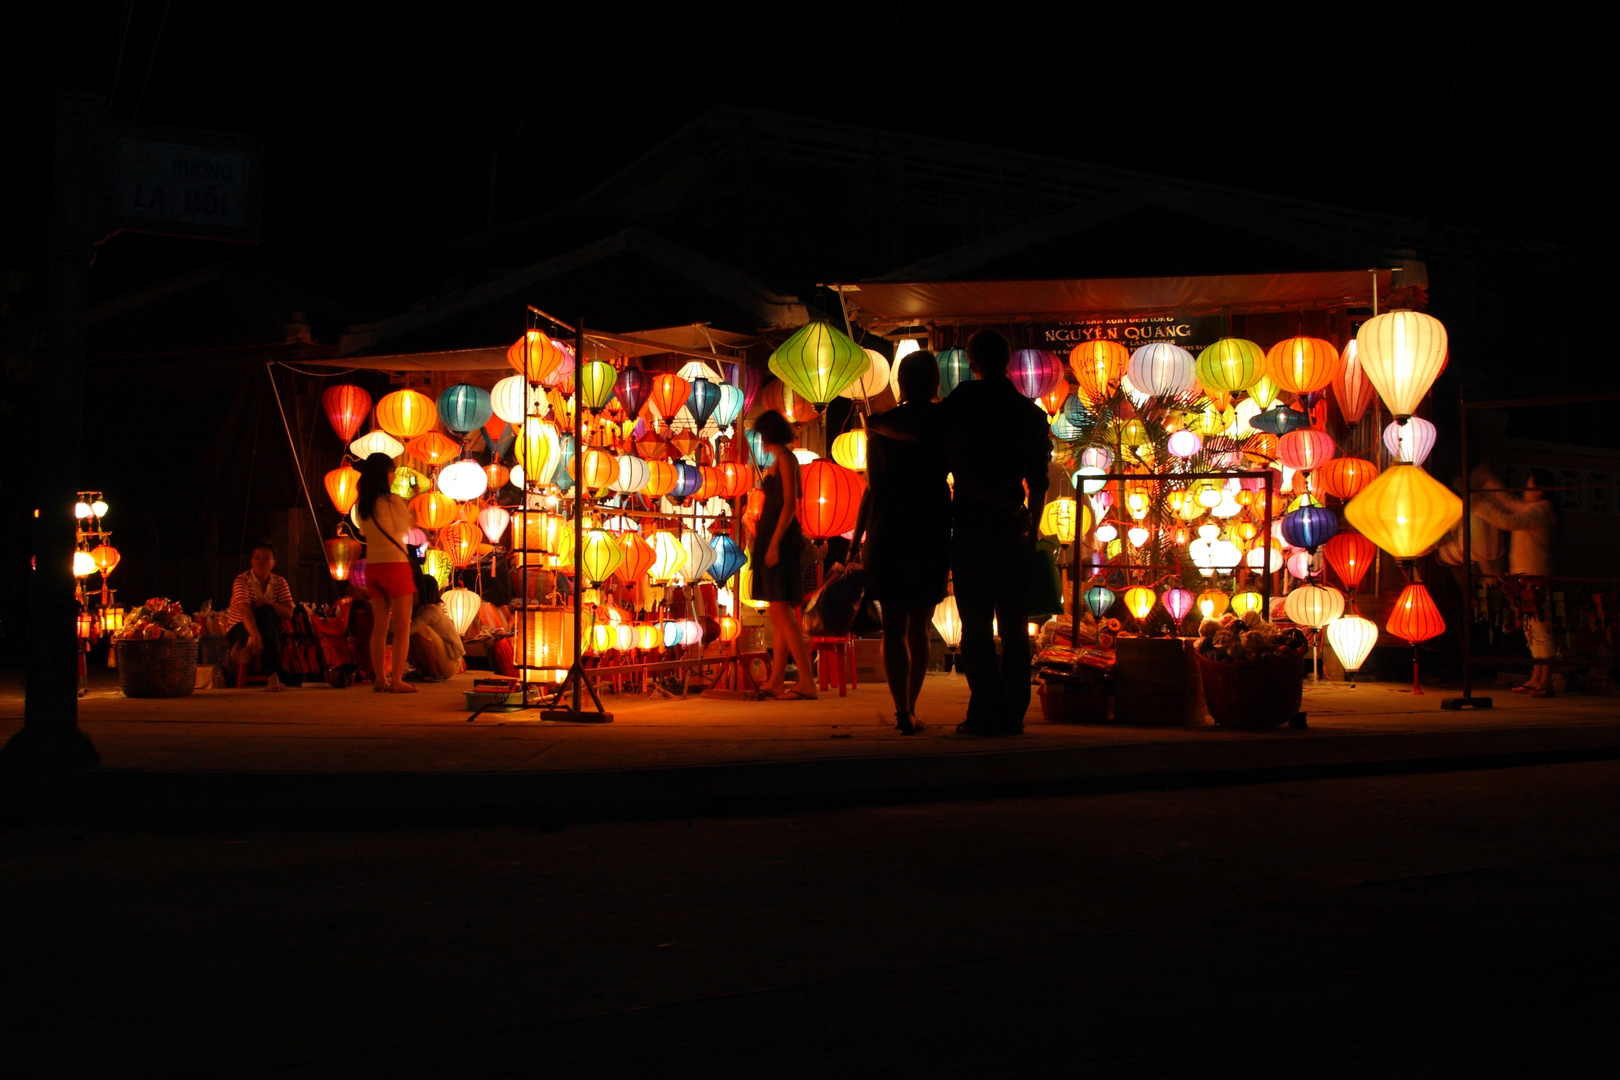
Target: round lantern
{"x": 1082, "y": 479}
{"x": 1314, "y": 605}
{"x": 463, "y": 480}
{"x": 599, "y": 555}
{"x": 699, "y": 555}
{"x": 1245, "y": 602}
{"x": 729, "y": 407}
{"x": 1139, "y": 600}
{"x": 1264, "y": 558}
{"x": 849, "y": 450}
{"x": 514, "y": 400}
{"x": 633, "y": 474}
{"x": 433, "y": 448}
{"x": 661, "y": 478}
{"x": 1099, "y": 598}
{"x": 669, "y": 393}
{"x": 687, "y": 480}
{"x": 1402, "y": 352}
{"x": 1178, "y": 602}
{"x": 1303, "y": 564}
{"x": 1184, "y": 444}
{"x": 1229, "y": 365}
{"x": 105, "y": 558}
{"x": 1351, "y": 387}
{"x": 638, "y": 558}
{"x": 343, "y": 487}
{"x": 735, "y": 479}
{"x": 346, "y": 408}
{"x": 872, "y": 382}
{"x": 1345, "y": 477}
{"x": 492, "y": 521}
{"x": 536, "y": 448}
{"x": 632, "y": 386}
{"x": 1035, "y": 372}
{"x": 459, "y": 541}
{"x": 1098, "y": 457}
{"x": 794, "y": 406}
{"x": 436, "y": 564}
{"x": 601, "y": 468}
{"x": 745, "y": 378}
{"x": 819, "y": 361}
{"x": 1351, "y": 556}
{"x": 669, "y": 556}
{"x": 1411, "y": 441}
{"x": 465, "y": 407}
{"x": 1098, "y": 366}
{"x": 1065, "y": 429}
{"x": 829, "y": 499}
{"x": 1352, "y": 638}
{"x": 1212, "y": 603}
{"x": 1162, "y": 369}
{"x": 1305, "y": 449}
{"x": 595, "y": 383}
{"x": 729, "y": 628}
{"x": 954, "y": 370}
{"x": 535, "y": 356}
{"x": 433, "y": 510}
{"x": 342, "y": 552}
{"x": 1415, "y": 617}
{"x": 1063, "y": 519}
{"x": 1302, "y": 365}
{"x": 376, "y": 442}
{"x": 1405, "y": 511}
{"x": 405, "y": 414}
{"x": 1309, "y": 527}
{"x": 728, "y": 558}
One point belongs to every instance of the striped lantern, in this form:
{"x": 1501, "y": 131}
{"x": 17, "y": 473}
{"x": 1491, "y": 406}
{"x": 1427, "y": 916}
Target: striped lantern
{"x": 1410, "y": 442}
{"x": 1098, "y": 366}
{"x": 632, "y": 387}
{"x": 794, "y": 407}
{"x": 433, "y": 448}
{"x": 699, "y": 555}
{"x": 1351, "y": 387}
{"x": 729, "y": 558}
{"x": 1402, "y": 353}
{"x": 1415, "y": 617}
{"x": 405, "y": 414}
{"x": 729, "y": 407}
{"x": 1314, "y": 605}
{"x": 1302, "y": 365}
{"x": 829, "y": 499}
{"x": 1162, "y": 369}
{"x": 1352, "y": 638}
{"x": 597, "y": 379}
{"x": 376, "y": 442}
{"x": 464, "y": 407}
{"x": 1405, "y": 511}
{"x": 745, "y": 378}
{"x": 669, "y": 393}
{"x": 433, "y": 510}
{"x": 638, "y": 558}
{"x": 1229, "y": 366}
{"x": 818, "y": 361}
{"x": 459, "y": 541}
{"x": 1305, "y": 449}
{"x": 512, "y": 396}
{"x": 1309, "y": 527}
{"x": 1035, "y": 372}
{"x": 954, "y": 370}
{"x": 1344, "y": 477}
{"x": 536, "y": 357}
{"x": 346, "y": 408}
{"x": 701, "y": 401}
{"x": 492, "y": 521}
{"x": 872, "y": 382}
{"x": 1351, "y": 556}
{"x": 343, "y": 487}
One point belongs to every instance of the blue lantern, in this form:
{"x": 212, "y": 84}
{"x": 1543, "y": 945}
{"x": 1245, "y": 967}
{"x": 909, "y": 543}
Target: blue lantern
{"x": 728, "y": 558}
{"x": 702, "y": 399}
{"x": 687, "y": 480}
{"x": 1063, "y": 428}
{"x": 1099, "y": 598}
{"x": 564, "y": 465}
{"x": 1074, "y": 409}
{"x": 465, "y": 407}
{"x": 953, "y": 370}
{"x": 1309, "y": 527}
{"x": 1279, "y": 420}
{"x": 763, "y": 458}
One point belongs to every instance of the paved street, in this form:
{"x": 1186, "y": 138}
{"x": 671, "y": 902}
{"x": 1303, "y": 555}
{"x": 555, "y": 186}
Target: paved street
{"x": 1435, "y": 925}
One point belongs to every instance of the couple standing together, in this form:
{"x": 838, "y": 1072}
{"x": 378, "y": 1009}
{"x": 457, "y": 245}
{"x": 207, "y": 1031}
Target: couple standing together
{"x": 993, "y": 441}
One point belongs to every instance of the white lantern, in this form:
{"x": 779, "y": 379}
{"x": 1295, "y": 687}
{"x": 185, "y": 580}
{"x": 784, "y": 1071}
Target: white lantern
{"x": 1402, "y": 352}
{"x": 870, "y": 383}
{"x": 1352, "y": 638}
{"x": 463, "y": 480}
{"x": 697, "y": 369}
{"x": 699, "y": 555}
{"x": 514, "y": 400}
{"x": 803, "y": 456}
{"x": 493, "y": 521}
{"x": 1225, "y": 556}
{"x": 1256, "y": 559}
{"x": 376, "y": 442}
{"x": 1184, "y": 444}
{"x": 462, "y": 605}
{"x": 902, "y": 349}
{"x": 1162, "y": 370}
{"x": 1082, "y": 479}
{"x": 1411, "y": 441}
{"x": 1314, "y": 605}
{"x": 633, "y": 474}
{"x": 948, "y": 622}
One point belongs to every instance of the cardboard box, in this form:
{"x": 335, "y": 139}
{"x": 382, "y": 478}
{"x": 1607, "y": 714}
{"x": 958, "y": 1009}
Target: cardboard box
{"x": 868, "y": 661}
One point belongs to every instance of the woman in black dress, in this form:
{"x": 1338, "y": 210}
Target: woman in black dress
{"x": 906, "y": 519}
{"x": 775, "y": 561}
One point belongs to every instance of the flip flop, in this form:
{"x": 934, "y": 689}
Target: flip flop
{"x": 795, "y": 695}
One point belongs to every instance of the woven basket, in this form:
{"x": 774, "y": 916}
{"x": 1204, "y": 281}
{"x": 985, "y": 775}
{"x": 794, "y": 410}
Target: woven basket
{"x": 1253, "y": 693}
{"x": 157, "y": 669}
{"x": 212, "y": 649}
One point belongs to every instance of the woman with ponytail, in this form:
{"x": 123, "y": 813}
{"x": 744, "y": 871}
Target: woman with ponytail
{"x": 385, "y": 520}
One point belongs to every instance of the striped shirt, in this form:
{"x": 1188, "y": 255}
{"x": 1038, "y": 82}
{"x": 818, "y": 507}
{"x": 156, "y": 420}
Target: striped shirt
{"x": 247, "y": 592}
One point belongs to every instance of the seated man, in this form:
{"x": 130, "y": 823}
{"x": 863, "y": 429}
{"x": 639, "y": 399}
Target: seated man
{"x": 260, "y": 600}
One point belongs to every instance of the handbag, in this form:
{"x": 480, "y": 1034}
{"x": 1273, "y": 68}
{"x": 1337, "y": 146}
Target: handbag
{"x": 1043, "y": 592}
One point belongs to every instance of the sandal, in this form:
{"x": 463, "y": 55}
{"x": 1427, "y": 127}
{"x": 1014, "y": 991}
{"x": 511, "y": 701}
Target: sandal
{"x": 1545, "y": 691}
{"x": 795, "y": 695}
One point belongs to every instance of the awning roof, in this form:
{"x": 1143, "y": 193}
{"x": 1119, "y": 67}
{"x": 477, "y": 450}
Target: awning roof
{"x": 692, "y": 341}
{"x": 905, "y": 303}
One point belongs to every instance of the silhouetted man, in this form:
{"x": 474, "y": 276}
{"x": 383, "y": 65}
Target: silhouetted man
{"x": 997, "y": 443}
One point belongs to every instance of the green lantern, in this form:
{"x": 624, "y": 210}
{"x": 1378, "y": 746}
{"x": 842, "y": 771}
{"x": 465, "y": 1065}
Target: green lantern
{"x": 818, "y": 362}
{"x": 436, "y": 564}
{"x": 596, "y": 381}
{"x": 1230, "y": 365}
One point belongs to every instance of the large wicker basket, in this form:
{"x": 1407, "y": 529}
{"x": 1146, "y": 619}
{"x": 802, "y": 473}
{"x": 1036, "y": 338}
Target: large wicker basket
{"x": 157, "y": 669}
{"x": 1253, "y": 693}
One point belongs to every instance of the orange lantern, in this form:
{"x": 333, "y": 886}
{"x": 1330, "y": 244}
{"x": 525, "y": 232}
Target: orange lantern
{"x": 342, "y": 552}
{"x": 106, "y": 558}
{"x": 346, "y": 408}
{"x": 498, "y": 475}
{"x": 638, "y": 558}
{"x": 729, "y": 628}
{"x": 343, "y": 488}
{"x": 684, "y": 442}
{"x": 1415, "y": 617}
{"x": 405, "y": 414}
{"x": 794, "y": 408}
{"x": 651, "y": 446}
{"x": 434, "y": 510}
{"x": 669, "y": 393}
{"x": 709, "y": 485}
{"x": 830, "y": 499}
{"x": 534, "y": 356}
{"x": 1344, "y": 477}
{"x": 433, "y": 448}
{"x": 494, "y": 428}
{"x": 735, "y": 479}
{"x": 601, "y": 468}
{"x": 1052, "y": 401}
{"x": 1098, "y": 365}
{"x": 661, "y": 477}
{"x": 1305, "y": 448}
{"x": 1302, "y": 365}
{"x": 1351, "y": 556}
{"x": 459, "y": 540}
{"x": 755, "y": 507}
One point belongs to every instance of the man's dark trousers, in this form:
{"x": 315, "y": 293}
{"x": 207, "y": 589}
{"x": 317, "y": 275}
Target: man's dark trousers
{"x": 989, "y": 574}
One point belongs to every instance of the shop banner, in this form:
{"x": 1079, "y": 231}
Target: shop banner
{"x": 1191, "y": 333}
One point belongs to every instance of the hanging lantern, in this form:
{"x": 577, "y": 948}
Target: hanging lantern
{"x": 1229, "y": 365}
{"x": 818, "y": 362}
{"x": 1415, "y": 617}
{"x": 1245, "y": 602}
{"x": 459, "y": 541}
{"x": 687, "y": 480}
{"x": 1054, "y": 399}
{"x": 763, "y": 458}
{"x": 1345, "y": 477}
{"x": 514, "y": 400}
{"x": 1405, "y": 511}
{"x": 1280, "y": 420}
{"x": 871, "y": 382}
{"x": 1139, "y": 600}
{"x": 433, "y": 448}
{"x": 463, "y": 481}
{"x": 648, "y": 636}
{"x": 1035, "y": 372}
{"x": 1351, "y": 556}
{"x": 1162, "y": 369}
{"x": 376, "y": 442}
{"x": 849, "y": 449}
{"x": 729, "y": 407}
{"x": 829, "y": 499}
{"x": 561, "y": 472}
{"x": 343, "y": 487}
{"x": 1264, "y": 392}
{"x": 1302, "y": 365}
{"x": 1351, "y": 387}
{"x": 1309, "y": 527}
{"x": 1099, "y": 598}
{"x": 745, "y": 378}
{"x": 1314, "y": 605}
{"x": 1082, "y": 479}
{"x": 633, "y": 474}
{"x": 433, "y": 510}
{"x": 536, "y": 448}
{"x": 601, "y": 468}
{"x": 1303, "y": 564}
{"x": 342, "y": 553}
{"x": 699, "y": 555}
{"x": 701, "y": 401}
{"x": 1184, "y": 444}
{"x": 729, "y": 629}
{"x": 638, "y": 558}
{"x": 1098, "y": 366}
{"x": 464, "y": 407}
{"x": 793, "y": 406}
{"x": 669, "y": 393}
{"x": 408, "y": 483}
{"x": 1063, "y": 519}
{"x": 632, "y": 386}
{"x": 1212, "y": 603}
{"x": 1305, "y": 449}
{"x": 684, "y": 441}
{"x": 661, "y": 478}
{"x": 948, "y": 622}
{"x": 1264, "y": 558}
{"x": 755, "y": 506}
{"x": 495, "y": 476}
{"x": 651, "y": 445}
{"x": 105, "y": 557}
{"x": 1402, "y": 352}
{"x": 599, "y": 555}
{"x": 596, "y": 382}
{"x": 535, "y": 356}
{"x": 405, "y": 414}
{"x": 492, "y": 522}
{"x": 436, "y": 564}
{"x": 1352, "y": 638}
{"x": 669, "y": 556}
{"x": 729, "y": 558}
{"x": 1410, "y": 441}
{"x": 1133, "y": 433}
{"x": 735, "y": 479}
{"x": 954, "y": 370}
{"x": 709, "y": 487}
{"x": 1178, "y": 602}
{"x": 346, "y": 408}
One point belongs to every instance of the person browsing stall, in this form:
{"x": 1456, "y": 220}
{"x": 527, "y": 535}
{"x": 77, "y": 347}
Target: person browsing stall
{"x": 385, "y": 522}
{"x": 777, "y": 557}
{"x": 260, "y": 600}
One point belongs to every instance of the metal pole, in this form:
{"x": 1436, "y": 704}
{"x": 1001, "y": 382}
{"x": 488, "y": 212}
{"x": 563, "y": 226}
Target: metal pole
{"x": 579, "y": 516}
{"x": 1468, "y": 700}
{"x": 1265, "y": 542}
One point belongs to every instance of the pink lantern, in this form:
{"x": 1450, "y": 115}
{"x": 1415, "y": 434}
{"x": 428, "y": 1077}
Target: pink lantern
{"x": 1351, "y": 387}
{"x": 416, "y": 538}
{"x": 357, "y": 573}
{"x": 1104, "y": 498}
{"x": 1300, "y": 564}
{"x": 1304, "y": 449}
{"x": 1184, "y": 444}
{"x": 1411, "y": 441}
{"x": 493, "y": 521}
{"x": 1035, "y": 372}
{"x": 1178, "y": 602}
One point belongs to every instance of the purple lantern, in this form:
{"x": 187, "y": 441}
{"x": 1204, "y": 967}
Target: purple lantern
{"x": 1035, "y": 372}
{"x": 747, "y": 379}
{"x": 631, "y": 388}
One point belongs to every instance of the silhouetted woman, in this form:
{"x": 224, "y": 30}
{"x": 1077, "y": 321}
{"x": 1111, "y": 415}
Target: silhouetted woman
{"x": 906, "y": 519}
{"x": 385, "y": 521}
{"x": 777, "y": 557}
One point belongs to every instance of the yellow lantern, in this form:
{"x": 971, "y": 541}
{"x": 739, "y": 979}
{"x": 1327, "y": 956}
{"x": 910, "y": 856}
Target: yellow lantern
{"x": 1212, "y": 603}
{"x": 1405, "y": 511}
{"x": 1058, "y": 519}
{"x": 1230, "y": 365}
{"x": 649, "y": 636}
{"x": 436, "y": 564}
{"x": 1139, "y": 600}
{"x": 601, "y": 468}
{"x": 405, "y": 414}
{"x": 669, "y": 556}
{"x": 1302, "y": 365}
{"x": 1098, "y": 366}
{"x": 1132, "y": 433}
{"x": 83, "y": 564}
{"x": 1402, "y": 352}
{"x": 746, "y": 588}
{"x": 729, "y": 628}
{"x": 534, "y": 531}
{"x": 535, "y": 447}
{"x": 661, "y": 478}
{"x": 849, "y": 450}
{"x": 546, "y": 642}
{"x": 343, "y": 487}
{"x": 1245, "y": 602}
{"x": 1264, "y": 392}
{"x": 462, "y": 606}
{"x": 596, "y": 383}
{"x": 535, "y": 356}
{"x": 600, "y": 555}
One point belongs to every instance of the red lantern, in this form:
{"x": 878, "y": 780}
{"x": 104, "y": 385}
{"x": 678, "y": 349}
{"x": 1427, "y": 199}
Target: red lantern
{"x": 1415, "y": 616}
{"x": 434, "y": 448}
{"x": 1344, "y": 477}
{"x": 735, "y": 479}
{"x": 494, "y": 428}
{"x": 1052, "y": 401}
{"x": 830, "y": 499}
{"x": 638, "y": 558}
{"x": 669, "y": 393}
{"x": 1351, "y": 556}
{"x": 755, "y": 507}
{"x": 346, "y": 408}
{"x": 1305, "y": 448}
{"x": 342, "y": 552}
{"x": 1302, "y": 365}
{"x": 794, "y": 408}
{"x": 459, "y": 540}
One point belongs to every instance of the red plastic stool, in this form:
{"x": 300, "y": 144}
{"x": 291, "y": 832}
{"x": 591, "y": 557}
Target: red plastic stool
{"x": 838, "y": 651}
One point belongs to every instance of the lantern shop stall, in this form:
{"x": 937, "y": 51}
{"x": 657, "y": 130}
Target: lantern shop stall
{"x": 1241, "y": 449}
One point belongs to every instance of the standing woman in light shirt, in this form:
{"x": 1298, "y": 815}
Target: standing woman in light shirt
{"x": 385, "y": 521}
{"x": 1533, "y": 523}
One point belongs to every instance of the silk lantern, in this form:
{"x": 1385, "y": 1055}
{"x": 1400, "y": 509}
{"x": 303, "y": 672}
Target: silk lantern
{"x": 536, "y": 448}
{"x": 745, "y": 378}
{"x": 669, "y": 556}
{"x": 1314, "y": 605}
{"x": 632, "y": 387}
{"x": 1063, "y": 519}
{"x": 1178, "y": 602}
{"x": 376, "y": 442}
{"x": 849, "y": 449}
{"x": 1345, "y": 477}
{"x": 633, "y": 474}
{"x": 1309, "y": 527}
{"x": 1264, "y": 391}
{"x": 818, "y": 361}
{"x": 1229, "y": 366}
{"x": 535, "y": 356}
{"x": 1411, "y": 441}
{"x": 729, "y": 558}
{"x": 599, "y": 555}
{"x": 1245, "y": 602}
{"x": 342, "y": 552}
{"x": 1351, "y": 556}
{"x": 699, "y": 555}
{"x": 1212, "y": 603}
{"x": 463, "y": 480}
{"x": 436, "y": 564}
{"x": 1279, "y": 420}
{"x": 343, "y": 487}
{"x": 1351, "y": 387}
{"x": 497, "y": 475}
{"x": 1305, "y": 449}
{"x": 459, "y": 541}
{"x": 1184, "y": 444}
{"x": 1139, "y": 600}
{"x": 1162, "y": 369}
{"x": 405, "y": 414}
{"x": 464, "y": 408}
{"x": 1054, "y": 399}
{"x": 954, "y": 370}
{"x": 735, "y": 479}
{"x": 701, "y": 401}
{"x": 638, "y": 558}
{"x": 433, "y": 448}
{"x": 1415, "y": 617}
{"x": 947, "y": 621}
{"x": 669, "y": 393}
{"x": 729, "y": 407}
{"x": 829, "y": 499}
{"x": 687, "y": 480}
{"x": 1402, "y": 352}
{"x": 1302, "y": 365}
{"x": 462, "y": 606}
{"x": 1352, "y": 638}
{"x": 1098, "y": 599}
{"x": 492, "y": 521}
{"x": 514, "y": 400}
{"x": 1098, "y": 366}
{"x": 601, "y": 468}
{"x": 794, "y": 406}
{"x": 595, "y": 383}
{"x": 870, "y": 383}
{"x": 1035, "y": 372}
{"x": 1405, "y": 511}
{"x": 661, "y": 478}
{"x": 433, "y": 510}
{"x": 346, "y": 408}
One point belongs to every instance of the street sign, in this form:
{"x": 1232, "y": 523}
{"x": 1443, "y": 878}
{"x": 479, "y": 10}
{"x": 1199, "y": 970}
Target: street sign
{"x": 176, "y": 182}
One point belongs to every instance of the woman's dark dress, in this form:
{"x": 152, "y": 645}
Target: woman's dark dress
{"x": 907, "y": 555}
{"x": 785, "y": 580}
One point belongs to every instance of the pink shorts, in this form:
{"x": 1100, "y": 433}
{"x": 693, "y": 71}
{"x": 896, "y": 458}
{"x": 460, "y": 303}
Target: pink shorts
{"x": 390, "y": 580}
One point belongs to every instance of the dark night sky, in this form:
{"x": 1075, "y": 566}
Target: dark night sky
{"x": 379, "y": 122}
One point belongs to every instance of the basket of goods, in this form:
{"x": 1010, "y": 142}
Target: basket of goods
{"x": 157, "y": 651}
{"x": 1253, "y": 671}
{"x": 212, "y": 647}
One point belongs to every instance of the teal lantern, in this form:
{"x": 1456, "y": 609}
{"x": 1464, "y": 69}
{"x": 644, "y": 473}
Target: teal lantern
{"x": 563, "y": 467}
{"x": 954, "y": 370}
{"x": 728, "y": 558}
{"x": 729, "y": 407}
{"x": 1099, "y": 598}
{"x": 702, "y": 399}
{"x": 818, "y": 362}
{"x": 763, "y": 458}
{"x": 465, "y": 407}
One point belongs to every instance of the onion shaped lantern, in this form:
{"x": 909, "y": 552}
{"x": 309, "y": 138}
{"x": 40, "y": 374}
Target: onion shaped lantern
{"x": 1279, "y": 420}
{"x": 954, "y": 370}
{"x": 1099, "y": 598}
{"x": 1036, "y": 373}
{"x": 871, "y": 382}
{"x": 1351, "y": 556}
{"x": 829, "y": 499}
{"x": 819, "y": 361}
{"x": 1178, "y": 602}
{"x": 342, "y": 553}
{"x": 1229, "y": 366}
{"x": 535, "y": 356}
{"x": 632, "y": 387}
{"x": 463, "y": 480}
{"x": 514, "y": 400}
{"x": 729, "y": 558}
{"x": 459, "y": 541}
{"x": 433, "y": 448}
{"x": 729, "y": 407}
{"x": 343, "y": 488}
{"x": 433, "y": 510}
{"x": 1302, "y": 365}
{"x": 464, "y": 407}
{"x": 1139, "y": 600}
{"x": 1305, "y": 449}
{"x": 462, "y": 606}
{"x": 1411, "y": 441}
{"x": 1415, "y": 617}
{"x": 669, "y": 556}
{"x": 346, "y": 409}
{"x": 1264, "y": 392}
{"x": 1405, "y": 511}
{"x": 1351, "y": 387}
{"x": 849, "y": 449}
{"x": 638, "y": 558}
{"x": 405, "y": 414}
{"x": 1309, "y": 527}
{"x": 702, "y": 400}
{"x": 599, "y": 555}
{"x": 595, "y": 383}
{"x": 1352, "y": 638}
{"x": 1402, "y": 352}
{"x": 669, "y": 393}
{"x": 745, "y": 378}
{"x": 105, "y": 557}
{"x": 492, "y": 522}
{"x": 1345, "y": 477}
{"x": 1314, "y": 605}
{"x": 1098, "y": 366}
{"x": 1162, "y": 369}
{"x": 376, "y": 442}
